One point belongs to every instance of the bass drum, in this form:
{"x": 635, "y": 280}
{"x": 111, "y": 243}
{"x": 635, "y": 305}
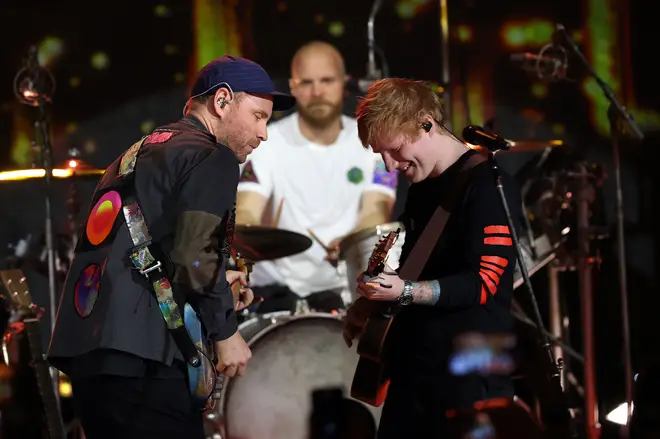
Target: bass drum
{"x": 291, "y": 357}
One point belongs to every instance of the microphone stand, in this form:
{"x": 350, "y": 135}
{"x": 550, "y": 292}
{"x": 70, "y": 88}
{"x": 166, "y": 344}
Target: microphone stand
{"x": 372, "y": 71}
{"x": 373, "y": 74}
{"x": 31, "y": 88}
{"x": 557, "y": 418}
{"x": 619, "y": 119}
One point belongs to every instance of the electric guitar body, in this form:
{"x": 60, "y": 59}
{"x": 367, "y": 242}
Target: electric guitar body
{"x": 204, "y": 383}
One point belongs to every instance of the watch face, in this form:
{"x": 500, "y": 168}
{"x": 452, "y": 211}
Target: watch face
{"x": 406, "y": 299}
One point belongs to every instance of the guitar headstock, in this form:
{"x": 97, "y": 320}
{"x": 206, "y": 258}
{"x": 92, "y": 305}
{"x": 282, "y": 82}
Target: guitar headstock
{"x": 379, "y": 254}
{"x": 17, "y": 290}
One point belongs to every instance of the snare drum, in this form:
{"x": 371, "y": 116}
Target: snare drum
{"x": 356, "y": 250}
{"x": 292, "y": 355}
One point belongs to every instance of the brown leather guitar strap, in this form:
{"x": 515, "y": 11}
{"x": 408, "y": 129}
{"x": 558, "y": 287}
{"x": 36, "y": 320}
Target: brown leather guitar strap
{"x": 421, "y": 251}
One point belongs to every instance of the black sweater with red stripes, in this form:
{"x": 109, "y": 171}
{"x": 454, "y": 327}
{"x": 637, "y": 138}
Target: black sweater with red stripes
{"x": 473, "y": 260}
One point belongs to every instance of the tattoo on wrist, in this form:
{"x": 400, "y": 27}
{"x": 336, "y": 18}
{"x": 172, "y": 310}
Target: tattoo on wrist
{"x": 426, "y": 292}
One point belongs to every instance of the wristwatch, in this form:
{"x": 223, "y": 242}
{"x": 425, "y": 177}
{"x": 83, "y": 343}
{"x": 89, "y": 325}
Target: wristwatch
{"x": 406, "y": 298}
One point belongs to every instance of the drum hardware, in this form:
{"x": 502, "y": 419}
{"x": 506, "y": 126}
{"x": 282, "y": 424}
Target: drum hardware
{"x": 261, "y": 243}
{"x": 302, "y": 307}
{"x": 562, "y": 422}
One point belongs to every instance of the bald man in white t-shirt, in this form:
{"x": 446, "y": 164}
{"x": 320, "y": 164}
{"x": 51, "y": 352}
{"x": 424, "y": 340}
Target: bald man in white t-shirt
{"x": 329, "y": 184}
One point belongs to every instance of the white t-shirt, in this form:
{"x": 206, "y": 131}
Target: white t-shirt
{"x": 322, "y": 187}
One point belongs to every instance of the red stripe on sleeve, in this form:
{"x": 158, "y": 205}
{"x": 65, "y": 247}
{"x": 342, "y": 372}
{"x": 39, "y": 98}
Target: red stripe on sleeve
{"x": 490, "y": 230}
{"x": 489, "y": 283}
{"x": 492, "y": 267}
{"x": 496, "y": 240}
{"x": 492, "y": 276}
{"x": 484, "y": 295}
{"x": 497, "y": 260}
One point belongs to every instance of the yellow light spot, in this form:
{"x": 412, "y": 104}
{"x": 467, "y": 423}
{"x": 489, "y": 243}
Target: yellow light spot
{"x": 534, "y": 32}
{"x": 558, "y": 129}
{"x": 20, "y": 151}
{"x": 89, "y": 146}
{"x": 162, "y": 11}
{"x": 147, "y": 126}
{"x": 179, "y": 77}
{"x": 71, "y": 127}
{"x": 100, "y": 60}
{"x": 405, "y": 10}
{"x": 49, "y": 49}
{"x": 65, "y": 389}
{"x": 74, "y": 81}
{"x": 170, "y": 49}
{"x": 577, "y": 35}
{"x": 539, "y": 90}
{"x": 336, "y": 28}
{"x": 464, "y": 33}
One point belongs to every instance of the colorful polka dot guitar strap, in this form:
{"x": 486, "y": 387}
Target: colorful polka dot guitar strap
{"x": 148, "y": 265}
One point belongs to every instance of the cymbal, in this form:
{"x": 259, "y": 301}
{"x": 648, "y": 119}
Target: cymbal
{"x": 525, "y": 145}
{"x": 67, "y": 169}
{"x": 260, "y": 243}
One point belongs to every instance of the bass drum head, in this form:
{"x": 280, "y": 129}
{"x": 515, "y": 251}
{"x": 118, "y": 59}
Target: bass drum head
{"x": 290, "y": 359}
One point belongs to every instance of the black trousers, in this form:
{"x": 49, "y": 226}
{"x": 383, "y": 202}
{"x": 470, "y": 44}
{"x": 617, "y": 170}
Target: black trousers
{"x": 114, "y": 407}
{"x": 418, "y": 400}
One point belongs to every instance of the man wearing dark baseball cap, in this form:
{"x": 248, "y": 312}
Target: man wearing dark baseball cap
{"x": 128, "y": 371}
{"x": 239, "y": 75}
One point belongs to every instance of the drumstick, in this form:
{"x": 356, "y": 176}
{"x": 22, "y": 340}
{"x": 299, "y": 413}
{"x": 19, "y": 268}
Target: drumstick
{"x": 317, "y": 239}
{"x": 276, "y": 221}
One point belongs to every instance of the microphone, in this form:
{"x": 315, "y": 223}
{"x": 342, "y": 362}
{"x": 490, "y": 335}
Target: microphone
{"x": 476, "y": 135}
{"x": 33, "y": 84}
{"x": 551, "y": 63}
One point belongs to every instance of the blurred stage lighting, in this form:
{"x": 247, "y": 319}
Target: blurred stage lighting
{"x": 620, "y": 414}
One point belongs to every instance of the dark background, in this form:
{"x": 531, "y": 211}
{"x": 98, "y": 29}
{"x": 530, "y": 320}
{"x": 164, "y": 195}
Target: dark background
{"x": 152, "y": 47}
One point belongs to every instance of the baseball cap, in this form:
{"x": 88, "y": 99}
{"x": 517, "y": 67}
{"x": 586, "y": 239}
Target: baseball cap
{"x": 239, "y": 75}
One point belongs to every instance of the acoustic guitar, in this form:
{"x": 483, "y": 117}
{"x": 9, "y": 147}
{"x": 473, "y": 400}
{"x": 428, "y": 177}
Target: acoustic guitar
{"x": 18, "y": 294}
{"x": 371, "y": 379}
{"x": 205, "y": 384}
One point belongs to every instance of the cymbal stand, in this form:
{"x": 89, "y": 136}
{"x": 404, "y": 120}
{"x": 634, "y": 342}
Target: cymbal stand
{"x": 620, "y": 120}
{"x": 585, "y": 196}
{"x": 47, "y": 161}
{"x": 555, "y": 315}
{"x": 34, "y": 86}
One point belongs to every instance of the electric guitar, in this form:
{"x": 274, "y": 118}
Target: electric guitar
{"x": 371, "y": 380}
{"x": 18, "y": 294}
{"x": 204, "y": 382}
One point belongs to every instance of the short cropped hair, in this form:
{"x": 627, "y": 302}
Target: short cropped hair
{"x": 395, "y": 106}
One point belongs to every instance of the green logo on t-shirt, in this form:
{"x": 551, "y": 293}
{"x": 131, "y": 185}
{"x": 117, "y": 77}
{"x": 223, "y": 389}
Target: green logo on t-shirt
{"x": 355, "y": 175}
